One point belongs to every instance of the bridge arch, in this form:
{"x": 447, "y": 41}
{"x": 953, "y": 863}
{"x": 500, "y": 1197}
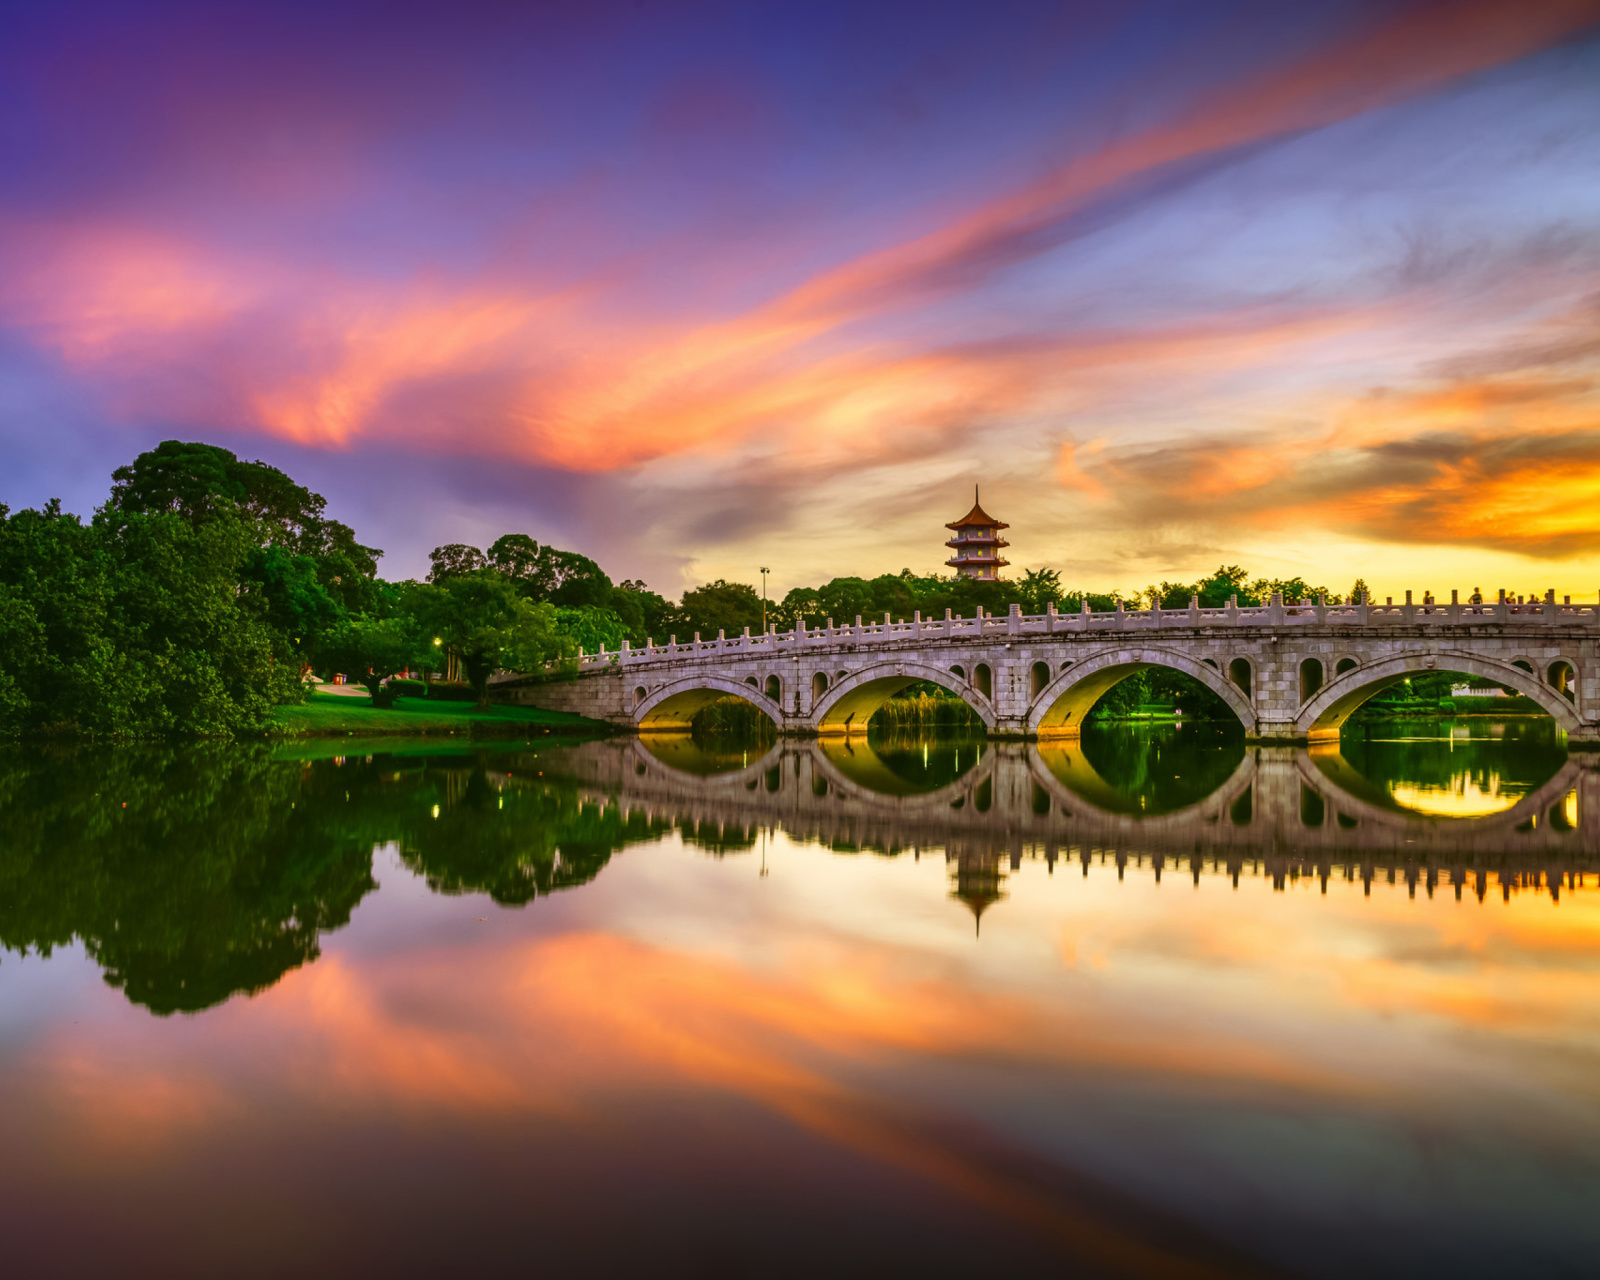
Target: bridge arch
{"x": 1062, "y": 706}
{"x": 1325, "y": 713}
{"x": 849, "y": 703}
{"x": 673, "y": 705}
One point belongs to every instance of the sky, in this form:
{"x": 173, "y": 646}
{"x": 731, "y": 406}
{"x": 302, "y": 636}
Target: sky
{"x": 697, "y": 288}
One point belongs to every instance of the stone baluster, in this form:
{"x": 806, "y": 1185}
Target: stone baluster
{"x": 1122, "y": 616}
{"x": 1322, "y": 606}
{"x": 1232, "y": 614}
{"x": 886, "y": 624}
{"x": 1502, "y": 610}
{"x": 1050, "y": 617}
{"x": 1552, "y": 615}
{"x": 1455, "y": 605}
{"x": 1084, "y": 613}
{"x": 1363, "y": 608}
{"x": 1014, "y": 619}
{"x": 916, "y": 623}
{"x": 1194, "y": 611}
{"x": 800, "y": 631}
{"x": 1275, "y": 614}
{"x": 1408, "y": 611}
{"x": 858, "y": 627}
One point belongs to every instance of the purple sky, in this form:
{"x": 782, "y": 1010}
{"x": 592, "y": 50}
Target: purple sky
{"x": 695, "y": 288}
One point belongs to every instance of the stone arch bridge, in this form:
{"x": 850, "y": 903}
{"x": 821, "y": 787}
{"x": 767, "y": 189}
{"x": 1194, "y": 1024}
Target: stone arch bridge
{"x": 1291, "y": 673}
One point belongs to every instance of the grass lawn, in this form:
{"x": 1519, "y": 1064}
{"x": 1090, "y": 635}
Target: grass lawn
{"x": 331, "y": 713}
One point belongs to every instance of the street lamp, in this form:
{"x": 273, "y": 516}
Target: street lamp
{"x": 764, "y": 572}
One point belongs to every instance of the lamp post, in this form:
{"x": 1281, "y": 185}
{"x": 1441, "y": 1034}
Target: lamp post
{"x": 764, "y": 572}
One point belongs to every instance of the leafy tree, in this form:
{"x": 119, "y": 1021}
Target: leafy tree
{"x": 535, "y": 639}
{"x": 1038, "y": 588}
{"x": 589, "y": 628}
{"x": 372, "y": 650}
{"x": 1228, "y": 581}
{"x": 452, "y": 560}
{"x": 515, "y": 556}
{"x": 719, "y": 606}
{"x": 287, "y": 593}
{"x": 478, "y": 623}
{"x": 201, "y": 481}
{"x": 643, "y": 612}
{"x": 573, "y": 581}
{"x": 190, "y": 655}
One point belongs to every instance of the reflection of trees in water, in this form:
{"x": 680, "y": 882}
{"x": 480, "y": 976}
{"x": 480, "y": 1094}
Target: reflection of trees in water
{"x": 1510, "y": 758}
{"x": 1159, "y": 769}
{"x": 928, "y": 761}
{"x": 501, "y": 829}
{"x": 216, "y": 877}
{"x": 227, "y": 864}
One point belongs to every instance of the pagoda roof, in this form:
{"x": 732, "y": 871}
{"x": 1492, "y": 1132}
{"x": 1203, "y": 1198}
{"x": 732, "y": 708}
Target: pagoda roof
{"x": 977, "y": 516}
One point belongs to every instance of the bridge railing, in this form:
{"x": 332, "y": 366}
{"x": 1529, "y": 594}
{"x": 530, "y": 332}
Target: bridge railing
{"x": 777, "y": 644}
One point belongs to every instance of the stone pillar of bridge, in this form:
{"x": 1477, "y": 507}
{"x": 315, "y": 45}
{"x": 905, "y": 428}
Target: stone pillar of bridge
{"x": 1275, "y": 792}
{"x": 1275, "y": 695}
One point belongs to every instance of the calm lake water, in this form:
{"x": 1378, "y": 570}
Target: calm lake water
{"x": 1149, "y": 1004}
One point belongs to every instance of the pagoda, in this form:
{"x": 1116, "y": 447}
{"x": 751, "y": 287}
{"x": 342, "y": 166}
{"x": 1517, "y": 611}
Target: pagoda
{"x": 977, "y": 543}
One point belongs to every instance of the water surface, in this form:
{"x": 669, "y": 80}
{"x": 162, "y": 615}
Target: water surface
{"x": 1150, "y": 1003}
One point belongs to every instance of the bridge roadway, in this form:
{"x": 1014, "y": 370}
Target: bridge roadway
{"x": 1291, "y": 673}
{"x": 1285, "y": 810}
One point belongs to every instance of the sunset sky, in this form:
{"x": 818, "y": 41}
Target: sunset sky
{"x": 693, "y": 288}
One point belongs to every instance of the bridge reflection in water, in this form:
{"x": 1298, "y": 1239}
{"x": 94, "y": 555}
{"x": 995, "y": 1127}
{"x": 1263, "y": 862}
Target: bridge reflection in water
{"x": 1279, "y": 811}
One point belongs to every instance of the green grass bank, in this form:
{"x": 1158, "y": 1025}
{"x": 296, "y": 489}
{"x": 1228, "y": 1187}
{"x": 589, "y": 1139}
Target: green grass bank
{"x": 334, "y": 715}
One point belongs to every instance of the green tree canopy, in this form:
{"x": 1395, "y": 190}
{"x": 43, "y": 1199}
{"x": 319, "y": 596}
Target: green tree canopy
{"x": 719, "y": 606}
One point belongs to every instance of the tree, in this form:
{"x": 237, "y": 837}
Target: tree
{"x": 535, "y": 640}
{"x": 477, "y": 624}
{"x": 643, "y": 612}
{"x": 1038, "y": 588}
{"x": 1228, "y": 581}
{"x": 452, "y": 560}
{"x": 1359, "y": 591}
{"x": 572, "y": 581}
{"x": 719, "y": 606}
{"x": 515, "y": 557}
{"x": 589, "y": 628}
{"x": 199, "y": 482}
{"x": 372, "y": 650}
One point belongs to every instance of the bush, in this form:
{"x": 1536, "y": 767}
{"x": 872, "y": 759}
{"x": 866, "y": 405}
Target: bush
{"x": 731, "y": 717}
{"x": 408, "y": 688}
{"x": 384, "y": 698}
{"x": 922, "y": 705}
{"x": 451, "y": 691}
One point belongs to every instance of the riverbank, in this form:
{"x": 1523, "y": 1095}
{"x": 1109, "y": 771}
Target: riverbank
{"x": 341, "y": 715}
